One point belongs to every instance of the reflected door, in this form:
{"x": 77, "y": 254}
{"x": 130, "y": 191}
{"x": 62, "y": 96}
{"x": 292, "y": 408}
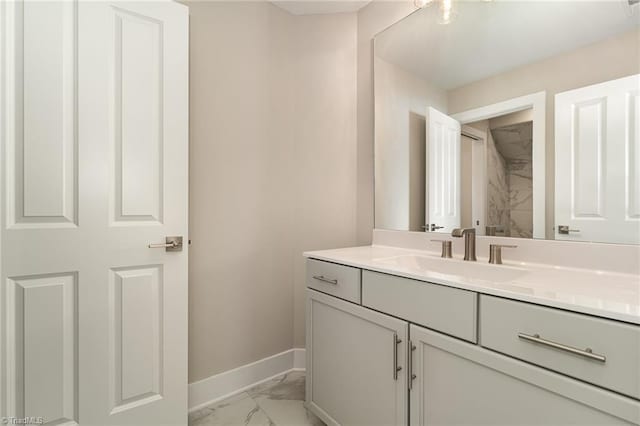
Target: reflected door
{"x": 598, "y": 162}
{"x": 94, "y": 169}
{"x": 443, "y": 172}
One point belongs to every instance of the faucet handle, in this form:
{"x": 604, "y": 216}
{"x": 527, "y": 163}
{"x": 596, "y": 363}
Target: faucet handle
{"x": 459, "y": 232}
{"x": 446, "y": 248}
{"x": 495, "y": 252}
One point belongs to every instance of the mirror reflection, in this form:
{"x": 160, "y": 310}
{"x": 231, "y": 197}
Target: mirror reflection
{"x": 509, "y": 166}
{"x": 520, "y": 119}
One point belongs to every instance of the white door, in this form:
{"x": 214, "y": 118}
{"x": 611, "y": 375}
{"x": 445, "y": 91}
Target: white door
{"x": 597, "y": 138}
{"x": 356, "y": 363}
{"x": 443, "y": 172}
{"x": 94, "y": 169}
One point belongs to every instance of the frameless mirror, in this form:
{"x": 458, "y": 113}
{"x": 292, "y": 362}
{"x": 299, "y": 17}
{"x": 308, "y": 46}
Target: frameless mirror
{"x": 520, "y": 119}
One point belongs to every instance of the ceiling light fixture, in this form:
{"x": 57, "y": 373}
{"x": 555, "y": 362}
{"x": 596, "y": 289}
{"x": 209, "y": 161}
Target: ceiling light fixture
{"x": 422, "y": 3}
{"x": 447, "y": 14}
{"x": 447, "y": 9}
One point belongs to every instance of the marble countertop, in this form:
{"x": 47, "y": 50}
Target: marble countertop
{"x": 601, "y": 293}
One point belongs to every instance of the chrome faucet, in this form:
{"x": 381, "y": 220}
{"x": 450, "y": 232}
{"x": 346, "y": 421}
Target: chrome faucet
{"x": 469, "y": 241}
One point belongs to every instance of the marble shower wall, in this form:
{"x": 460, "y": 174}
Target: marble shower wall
{"x": 510, "y": 179}
{"x": 520, "y": 180}
{"x": 498, "y": 199}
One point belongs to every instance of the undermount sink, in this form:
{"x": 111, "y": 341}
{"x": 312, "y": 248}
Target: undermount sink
{"x": 459, "y": 268}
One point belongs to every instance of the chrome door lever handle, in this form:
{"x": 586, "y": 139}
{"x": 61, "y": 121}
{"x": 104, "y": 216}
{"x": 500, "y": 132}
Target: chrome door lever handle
{"x": 564, "y": 229}
{"x": 170, "y": 244}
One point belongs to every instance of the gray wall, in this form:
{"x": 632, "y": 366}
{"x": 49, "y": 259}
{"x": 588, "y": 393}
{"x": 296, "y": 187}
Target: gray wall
{"x": 372, "y": 19}
{"x": 273, "y": 172}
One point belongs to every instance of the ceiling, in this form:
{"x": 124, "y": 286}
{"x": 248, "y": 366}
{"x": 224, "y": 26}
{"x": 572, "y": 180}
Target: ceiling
{"x": 320, "y": 7}
{"x": 489, "y": 38}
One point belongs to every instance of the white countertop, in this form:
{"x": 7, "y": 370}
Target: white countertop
{"x": 601, "y": 293}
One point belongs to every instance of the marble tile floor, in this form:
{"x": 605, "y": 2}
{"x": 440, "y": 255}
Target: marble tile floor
{"x": 276, "y": 402}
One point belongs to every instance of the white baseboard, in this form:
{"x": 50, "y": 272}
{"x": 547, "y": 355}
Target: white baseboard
{"x": 215, "y": 388}
{"x": 299, "y": 358}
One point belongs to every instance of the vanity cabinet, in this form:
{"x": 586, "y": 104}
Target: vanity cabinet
{"x": 338, "y": 280}
{"x": 595, "y": 350}
{"x": 461, "y": 384}
{"x": 389, "y": 350}
{"x": 448, "y": 310}
{"x": 356, "y": 363}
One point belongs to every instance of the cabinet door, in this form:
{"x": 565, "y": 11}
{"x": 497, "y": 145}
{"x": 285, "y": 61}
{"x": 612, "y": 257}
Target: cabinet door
{"x": 462, "y": 384}
{"x": 356, "y": 363}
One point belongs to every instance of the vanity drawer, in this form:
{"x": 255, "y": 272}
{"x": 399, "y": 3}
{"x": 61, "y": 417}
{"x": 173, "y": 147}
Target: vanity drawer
{"x": 338, "y": 280}
{"x": 505, "y": 326}
{"x": 441, "y": 308}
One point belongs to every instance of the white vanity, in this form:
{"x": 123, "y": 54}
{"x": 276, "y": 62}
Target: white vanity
{"x": 397, "y": 336}
{"x": 476, "y": 135}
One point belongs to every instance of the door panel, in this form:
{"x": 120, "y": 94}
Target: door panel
{"x": 135, "y": 297}
{"x": 137, "y": 116}
{"x": 42, "y": 143}
{"x": 443, "y": 175}
{"x": 589, "y": 120}
{"x": 41, "y": 326}
{"x": 597, "y": 182}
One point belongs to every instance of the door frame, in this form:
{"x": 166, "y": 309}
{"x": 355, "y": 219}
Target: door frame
{"x": 6, "y": 39}
{"x": 537, "y": 103}
{"x": 478, "y": 174}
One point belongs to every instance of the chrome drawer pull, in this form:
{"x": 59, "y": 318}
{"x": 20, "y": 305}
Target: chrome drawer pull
{"x": 325, "y": 280}
{"x": 587, "y": 353}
